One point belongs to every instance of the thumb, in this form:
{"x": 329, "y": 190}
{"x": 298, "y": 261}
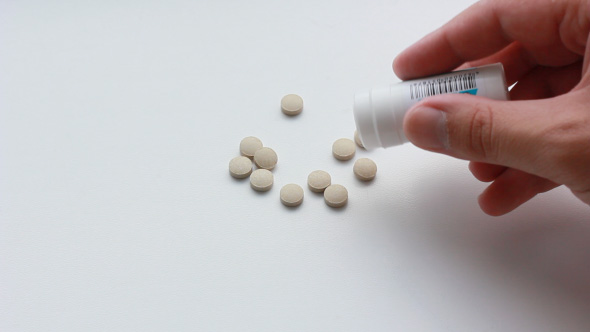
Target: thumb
{"x": 504, "y": 133}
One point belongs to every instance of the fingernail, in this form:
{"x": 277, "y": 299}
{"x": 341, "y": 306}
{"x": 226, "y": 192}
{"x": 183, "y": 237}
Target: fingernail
{"x": 427, "y": 128}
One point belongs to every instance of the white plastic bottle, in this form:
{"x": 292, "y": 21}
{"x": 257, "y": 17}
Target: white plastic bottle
{"x": 379, "y": 113}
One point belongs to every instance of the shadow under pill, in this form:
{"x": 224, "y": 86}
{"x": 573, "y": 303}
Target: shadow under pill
{"x": 291, "y": 209}
{"x": 246, "y": 179}
{"x": 261, "y": 193}
{"x": 364, "y": 183}
{"x": 341, "y": 209}
{"x": 291, "y": 117}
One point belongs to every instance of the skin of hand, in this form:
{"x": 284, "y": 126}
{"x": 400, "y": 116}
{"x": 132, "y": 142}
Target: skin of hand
{"x": 538, "y": 140}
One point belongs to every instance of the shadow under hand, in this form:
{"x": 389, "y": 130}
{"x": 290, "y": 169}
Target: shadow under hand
{"x": 546, "y": 241}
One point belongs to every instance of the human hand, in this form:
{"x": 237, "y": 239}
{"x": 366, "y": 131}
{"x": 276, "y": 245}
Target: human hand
{"x": 540, "y": 139}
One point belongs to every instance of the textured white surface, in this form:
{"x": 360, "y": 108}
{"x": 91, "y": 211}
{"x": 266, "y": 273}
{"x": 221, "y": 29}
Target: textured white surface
{"x": 117, "y": 212}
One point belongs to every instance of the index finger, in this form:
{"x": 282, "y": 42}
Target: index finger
{"x": 473, "y": 34}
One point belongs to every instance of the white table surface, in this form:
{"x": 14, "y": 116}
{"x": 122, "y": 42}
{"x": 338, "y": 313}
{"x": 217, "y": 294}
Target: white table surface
{"x": 117, "y": 212}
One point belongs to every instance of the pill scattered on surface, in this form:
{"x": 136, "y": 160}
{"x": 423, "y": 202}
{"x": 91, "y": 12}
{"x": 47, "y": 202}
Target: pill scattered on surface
{"x": 343, "y": 149}
{"x": 318, "y": 181}
{"x": 336, "y": 195}
{"x": 357, "y": 139}
{"x": 240, "y": 167}
{"x": 265, "y": 158}
{"x": 249, "y": 145}
{"x": 292, "y": 104}
{"x": 291, "y": 195}
{"x": 261, "y": 180}
{"x": 365, "y": 169}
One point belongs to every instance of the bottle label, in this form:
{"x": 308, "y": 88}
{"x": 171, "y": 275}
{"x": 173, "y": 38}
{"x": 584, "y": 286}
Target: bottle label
{"x": 457, "y": 82}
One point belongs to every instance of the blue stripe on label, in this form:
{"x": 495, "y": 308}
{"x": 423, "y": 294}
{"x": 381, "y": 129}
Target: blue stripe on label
{"x": 471, "y": 92}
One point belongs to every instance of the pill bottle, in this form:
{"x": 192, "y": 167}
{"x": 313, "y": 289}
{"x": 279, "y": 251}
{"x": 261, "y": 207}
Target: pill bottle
{"x": 379, "y": 113}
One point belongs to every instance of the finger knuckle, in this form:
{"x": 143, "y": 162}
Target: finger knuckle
{"x": 481, "y": 132}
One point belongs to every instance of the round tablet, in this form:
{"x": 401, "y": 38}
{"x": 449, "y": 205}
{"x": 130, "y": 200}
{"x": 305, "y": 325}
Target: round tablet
{"x": 318, "y": 181}
{"x": 365, "y": 169}
{"x": 343, "y": 149}
{"x": 336, "y": 196}
{"x": 357, "y": 139}
{"x": 240, "y": 167}
{"x": 249, "y": 145}
{"x": 292, "y": 104}
{"x": 291, "y": 195}
{"x": 265, "y": 158}
{"x": 261, "y": 180}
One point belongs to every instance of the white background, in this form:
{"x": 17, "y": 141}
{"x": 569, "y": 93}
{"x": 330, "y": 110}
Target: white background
{"x": 117, "y": 212}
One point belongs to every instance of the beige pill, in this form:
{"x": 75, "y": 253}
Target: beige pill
{"x": 291, "y": 195}
{"x": 336, "y": 196}
{"x": 292, "y": 104}
{"x": 357, "y": 139}
{"x": 261, "y": 180}
{"x": 365, "y": 169}
{"x": 318, "y": 181}
{"x": 265, "y": 158}
{"x": 240, "y": 167}
{"x": 343, "y": 149}
{"x": 249, "y": 145}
